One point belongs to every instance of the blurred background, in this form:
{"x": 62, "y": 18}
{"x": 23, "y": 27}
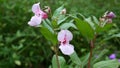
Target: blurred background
{"x": 22, "y": 46}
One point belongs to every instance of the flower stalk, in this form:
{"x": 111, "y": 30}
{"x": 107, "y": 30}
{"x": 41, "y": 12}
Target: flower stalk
{"x": 56, "y": 54}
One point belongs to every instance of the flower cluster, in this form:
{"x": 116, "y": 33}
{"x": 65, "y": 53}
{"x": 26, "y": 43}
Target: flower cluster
{"x": 108, "y": 16}
{"x": 64, "y": 37}
{"x": 39, "y": 15}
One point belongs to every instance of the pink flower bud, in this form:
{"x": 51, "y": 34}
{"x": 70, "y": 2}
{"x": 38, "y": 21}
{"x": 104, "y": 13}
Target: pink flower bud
{"x": 111, "y": 15}
{"x": 47, "y": 10}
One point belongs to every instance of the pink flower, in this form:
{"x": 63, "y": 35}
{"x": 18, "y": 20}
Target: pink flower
{"x": 38, "y": 12}
{"x": 65, "y": 36}
{"x": 35, "y": 21}
{"x": 111, "y": 15}
{"x": 67, "y": 49}
{"x": 39, "y": 15}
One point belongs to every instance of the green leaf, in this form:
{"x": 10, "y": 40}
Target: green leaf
{"x": 54, "y": 24}
{"x": 85, "y": 59}
{"x": 75, "y": 59}
{"x": 85, "y": 28}
{"x": 48, "y": 35}
{"x": 68, "y": 25}
{"x": 57, "y": 12}
{"x": 100, "y": 55}
{"x": 62, "y": 62}
{"x": 105, "y": 28}
{"x": 17, "y": 62}
{"x": 95, "y": 20}
{"x": 116, "y": 35}
{"x": 61, "y": 19}
{"x": 47, "y": 26}
{"x": 89, "y": 20}
{"x": 107, "y": 64}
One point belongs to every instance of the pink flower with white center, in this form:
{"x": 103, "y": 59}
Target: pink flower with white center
{"x": 35, "y": 21}
{"x": 38, "y": 17}
{"x": 65, "y": 36}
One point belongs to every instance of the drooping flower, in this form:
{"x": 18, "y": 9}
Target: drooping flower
{"x": 35, "y": 21}
{"x": 65, "y": 36}
{"x": 38, "y": 12}
{"x": 112, "y": 56}
{"x": 39, "y": 15}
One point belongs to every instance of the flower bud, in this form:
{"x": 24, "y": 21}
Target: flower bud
{"x": 63, "y": 11}
{"x": 44, "y": 15}
{"x": 47, "y": 9}
{"x": 111, "y": 15}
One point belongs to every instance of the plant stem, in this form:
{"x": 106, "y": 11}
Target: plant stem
{"x": 57, "y": 60}
{"x": 91, "y": 51}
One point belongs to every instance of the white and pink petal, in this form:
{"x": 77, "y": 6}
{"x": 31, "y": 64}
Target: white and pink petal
{"x": 35, "y": 21}
{"x": 65, "y": 35}
{"x": 67, "y": 49}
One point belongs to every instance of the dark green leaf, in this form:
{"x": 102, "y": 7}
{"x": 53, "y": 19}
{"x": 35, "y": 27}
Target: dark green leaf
{"x": 85, "y": 28}
{"x": 105, "y": 28}
{"x": 48, "y": 35}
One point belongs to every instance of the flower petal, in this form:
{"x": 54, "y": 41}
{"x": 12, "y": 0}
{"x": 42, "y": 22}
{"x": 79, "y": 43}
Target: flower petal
{"x": 65, "y": 35}
{"x": 36, "y": 9}
{"x": 111, "y": 15}
{"x": 67, "y": 49}
{"x": 112, "y": 56}
{"x": 35, "y": 21}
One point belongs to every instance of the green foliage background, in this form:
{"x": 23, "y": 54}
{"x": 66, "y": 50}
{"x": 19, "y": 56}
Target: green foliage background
{"x": 24, "y": 46}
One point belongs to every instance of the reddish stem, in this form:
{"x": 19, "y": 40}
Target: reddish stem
{"x": 91, "y": 51}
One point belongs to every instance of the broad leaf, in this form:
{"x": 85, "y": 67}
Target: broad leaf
{"x": 95, "y": 20}
{"x": 68, "y": 25}
{"x": 48, "y": 35}
{"x": 74, "y": 57}
{"x": 100, "y": 55}
{"x": 105, "y": 28}
{"x": 89, "y": 20}
{"x": 57, "y": 12}
{"x": 47, "y": 26}
{"x": 85, "y": 59}
{"x": 107, "y": 64}
{"x": 61, "y": 60}
{"x": 85, "y": 28}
